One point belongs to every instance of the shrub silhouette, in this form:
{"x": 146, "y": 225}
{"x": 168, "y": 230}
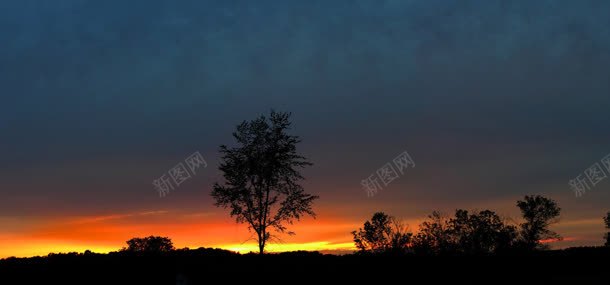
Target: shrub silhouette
{"x": 149, "y": 244}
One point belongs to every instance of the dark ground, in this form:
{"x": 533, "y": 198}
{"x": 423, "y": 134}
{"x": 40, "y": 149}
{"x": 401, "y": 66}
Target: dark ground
{"x": 573, "y": 266}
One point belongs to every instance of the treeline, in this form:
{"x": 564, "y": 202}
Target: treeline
{"x": 470, "y": 233}
{"x": 465, "y": 233}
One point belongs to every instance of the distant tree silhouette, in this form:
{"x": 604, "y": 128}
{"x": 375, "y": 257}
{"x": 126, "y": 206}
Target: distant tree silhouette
{"x": 539, "y": 213}
{"x": 434, "y": 236}
{"x": 149, "y": 244}
{"x": 477, "y": 233}
{"x": 480, "y": 233}
{"x": 382, "y": 234}
{"x": 607, "y": 224}
{"x": 261, "y": 177}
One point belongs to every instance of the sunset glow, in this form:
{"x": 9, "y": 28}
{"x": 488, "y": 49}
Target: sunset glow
{"x": 107, "y": 233}
{"x": 117, "y": 119}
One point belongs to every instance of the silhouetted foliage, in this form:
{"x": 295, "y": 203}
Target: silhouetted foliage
{"x": 433, "y": 236}
{"x": 261, "y": 177}
{"x": 477, "y": 233}
{"x": 539, "y": 213}
{"x": 382, "y": 234}
{"x": 480, "y": 233}
{"x": 607, "y": 224}
{"x": 149, "y": 244}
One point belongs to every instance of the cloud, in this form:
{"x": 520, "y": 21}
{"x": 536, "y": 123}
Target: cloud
{"x": 89, "y": 220}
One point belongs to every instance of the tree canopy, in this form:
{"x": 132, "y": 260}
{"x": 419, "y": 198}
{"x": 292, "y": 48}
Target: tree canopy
{"x": 539, "y": 213}
{"x": 382, "y": 234}
{"x": 471, "y": 233}
{"x": 261, "y": 174}
{"x": 149, "y": 244}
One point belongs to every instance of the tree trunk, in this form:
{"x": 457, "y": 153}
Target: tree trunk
{"x": 261, "y": 242}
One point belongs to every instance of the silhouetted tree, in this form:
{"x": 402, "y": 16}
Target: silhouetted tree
{"x": 607, "y": 224}
{"x": 434, "y": 236}
{"x": 149, "y": 244}
{"x": 480, "y": 233}
{"x": 382, "y": 234}
{"x": 477, "y": 233}
{"x": 261, "y": 177}
{"x": 539, "y": 213}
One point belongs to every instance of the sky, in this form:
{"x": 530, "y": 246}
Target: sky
{"x": 493, "y": 100}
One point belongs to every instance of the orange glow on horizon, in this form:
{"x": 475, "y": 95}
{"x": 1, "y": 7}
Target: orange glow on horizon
{"x": 552, "y": 240}
{"x": 43, "y": 248}
{"x": 107, "y": 233}
{"x": 26, "y": 237}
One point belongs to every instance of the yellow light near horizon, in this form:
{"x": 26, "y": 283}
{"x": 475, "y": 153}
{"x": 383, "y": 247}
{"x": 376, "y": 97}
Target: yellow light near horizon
{"x": 310, "y": 246}
{"x": 43, "y": 248}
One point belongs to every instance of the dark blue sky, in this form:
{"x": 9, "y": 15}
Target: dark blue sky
{"x": 493, "y": 99}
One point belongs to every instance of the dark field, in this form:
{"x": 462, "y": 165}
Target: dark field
{"x": 572, "y": 266}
